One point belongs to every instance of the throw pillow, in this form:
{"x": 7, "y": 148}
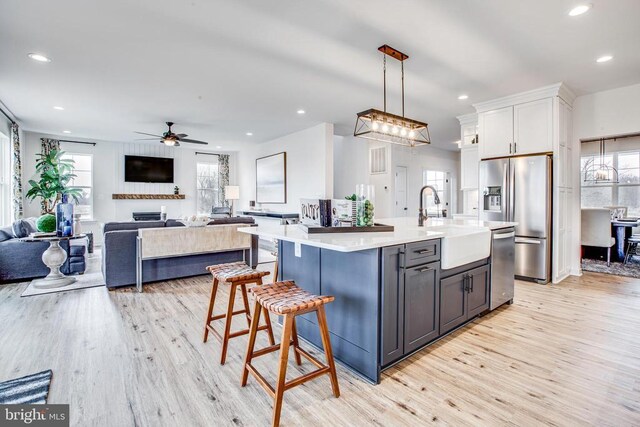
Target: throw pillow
{"x": 24, "y": 227}
{"x": 6, "y": 233}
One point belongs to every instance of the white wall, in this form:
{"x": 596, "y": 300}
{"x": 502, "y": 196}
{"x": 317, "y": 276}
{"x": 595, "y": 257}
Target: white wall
{"x": 351, "y": 167}
{"x": 431, "y": 158}
{"x": 350, "y": 164}
{"x": 607, "y": 113}
{"x": 309, "y": 167}
{"x": 108, "y": 177}
{"x": 601, "y": 114}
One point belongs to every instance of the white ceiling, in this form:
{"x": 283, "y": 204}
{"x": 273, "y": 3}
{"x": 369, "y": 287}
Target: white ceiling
{"x": 222, "y": 68}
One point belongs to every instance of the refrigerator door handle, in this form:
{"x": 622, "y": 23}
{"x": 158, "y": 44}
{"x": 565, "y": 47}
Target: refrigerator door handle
{"x": 498, "y": 236}
{"x": 528, "y": 241}
{"x": 505, "y": 193}
{"x": 512, "y": 191}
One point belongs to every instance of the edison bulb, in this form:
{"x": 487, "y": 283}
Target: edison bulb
{"x": 394, "y": 130}
{"x": 403, "y": 132}
{"x": 385, "y": 128}
{"x": 412, "y": 134}
{"x": 375, "y": 126}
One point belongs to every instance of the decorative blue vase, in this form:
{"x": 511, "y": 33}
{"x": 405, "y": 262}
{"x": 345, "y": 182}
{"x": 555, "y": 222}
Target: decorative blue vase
{"x": 64, "y": 218}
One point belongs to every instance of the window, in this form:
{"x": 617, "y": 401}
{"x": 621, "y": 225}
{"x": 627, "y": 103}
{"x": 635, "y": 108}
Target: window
{"x": 208, "y": 188}
{"x": 624, "y": 193}
{"x": 5, "y": 181}
{"x": 440, "y": 180}
{"x": 83, "y": 169}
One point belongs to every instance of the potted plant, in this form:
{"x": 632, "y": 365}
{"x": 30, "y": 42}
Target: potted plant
{"x": 55, "y": 175}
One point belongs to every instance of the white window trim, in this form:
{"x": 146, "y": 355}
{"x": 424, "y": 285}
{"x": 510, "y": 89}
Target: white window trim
{"x": 210, "y": 162}
{"x": 614, "y": 186}
{"x": 92, "y": 188}
{"x": 447, "y": 192}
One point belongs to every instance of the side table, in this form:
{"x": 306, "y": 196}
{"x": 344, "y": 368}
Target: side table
{"x": 53, "y": 258}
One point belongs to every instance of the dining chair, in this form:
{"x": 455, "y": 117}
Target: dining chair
{"x": 618, "y": 211}
{"x": 596, "y": 229}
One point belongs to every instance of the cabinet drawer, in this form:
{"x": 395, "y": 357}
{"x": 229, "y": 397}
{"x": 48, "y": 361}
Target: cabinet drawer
{"x": 422, "y": 252}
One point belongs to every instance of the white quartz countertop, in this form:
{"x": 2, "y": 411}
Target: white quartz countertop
{"x": 406, "y": 231}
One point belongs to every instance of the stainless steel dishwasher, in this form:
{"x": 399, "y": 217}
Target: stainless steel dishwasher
{"x": 503, "y": 250}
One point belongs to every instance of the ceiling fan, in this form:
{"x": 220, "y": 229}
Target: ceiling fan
{"x": 171, "y": 139}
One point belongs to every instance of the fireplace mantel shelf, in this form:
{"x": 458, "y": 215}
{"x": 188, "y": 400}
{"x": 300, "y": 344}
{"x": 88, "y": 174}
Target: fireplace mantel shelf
{"x": 147, "y": 196}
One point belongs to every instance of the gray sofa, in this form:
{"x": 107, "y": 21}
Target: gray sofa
{"x": 21, "y": 260}
{"x": 119, "y": 254}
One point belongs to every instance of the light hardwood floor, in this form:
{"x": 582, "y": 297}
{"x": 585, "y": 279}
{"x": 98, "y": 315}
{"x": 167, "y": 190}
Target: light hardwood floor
{"x": 562, "y": 355}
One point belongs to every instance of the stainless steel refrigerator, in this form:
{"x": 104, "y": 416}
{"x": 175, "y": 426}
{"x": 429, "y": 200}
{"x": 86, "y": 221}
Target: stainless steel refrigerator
{"x": 518, "y": 189}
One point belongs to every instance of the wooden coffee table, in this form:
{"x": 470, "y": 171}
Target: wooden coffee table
{"x": 53, "y": 258}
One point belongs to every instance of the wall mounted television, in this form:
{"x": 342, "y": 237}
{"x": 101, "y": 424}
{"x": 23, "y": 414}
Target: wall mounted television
{"x": 148, "y": 169}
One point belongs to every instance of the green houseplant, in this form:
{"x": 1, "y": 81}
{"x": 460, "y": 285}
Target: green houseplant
{"x": 55, "y": 175}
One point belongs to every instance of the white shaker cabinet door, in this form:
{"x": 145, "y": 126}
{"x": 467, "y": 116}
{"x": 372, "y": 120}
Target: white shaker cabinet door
{"x": 469, "y": 168}
{"x": 533, "y": 127}
{"x": 496, "y": 133}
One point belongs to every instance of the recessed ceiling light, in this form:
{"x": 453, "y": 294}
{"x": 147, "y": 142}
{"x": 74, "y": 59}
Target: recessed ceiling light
{"x": 66, "y": 131}
{"x": 57, "y": 107}
{"x": 38, "y": 57}
{"x": 580, "y": 9}
{"x": 249, "y": 133}
{"x": 218, "y": 146}
{"x": 605, "y": 58}
{"x": 301, "y": 111}
{"x": 461, "y": 97}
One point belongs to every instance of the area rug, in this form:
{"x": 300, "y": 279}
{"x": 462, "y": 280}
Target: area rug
{"x": 90, "y": 279}
{"x": 26, "y": 390}
{"x": 631, "y": 269}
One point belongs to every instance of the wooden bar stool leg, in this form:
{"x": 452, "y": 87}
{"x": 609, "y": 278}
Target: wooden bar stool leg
{"x": 212, "y": 301}
{"x": 326, "y": 343}
{"x": 282, "y": 370}
{"x": 267, "y": 320}
{"x": 294, "y": 336}
{"x": 253, "y": 332}
{"x": 245, "y": 301}
{"x": 227, "y": 325}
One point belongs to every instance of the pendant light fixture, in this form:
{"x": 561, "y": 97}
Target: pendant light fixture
{"x": 387, "y": 127}
{"x": 600, "y": 173}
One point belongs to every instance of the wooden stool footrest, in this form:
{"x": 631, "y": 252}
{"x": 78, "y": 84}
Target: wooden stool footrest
{"x": 310, "y": 358}
{"x": 261, "y": 380}
{"x": 289, "y": 384}
{"x": 222, "y": 316}
{"x": 234, "y": 334}
{"x": 306, "y": 377}
{"x": 267, "y": 350}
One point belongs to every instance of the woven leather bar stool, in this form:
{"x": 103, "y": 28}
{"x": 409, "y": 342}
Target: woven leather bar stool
{"x": 288, "y": 300}
{"x": 235, "y": 274}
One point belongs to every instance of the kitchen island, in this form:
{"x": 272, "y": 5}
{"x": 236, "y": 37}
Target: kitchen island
{"x": 395, "y": 292}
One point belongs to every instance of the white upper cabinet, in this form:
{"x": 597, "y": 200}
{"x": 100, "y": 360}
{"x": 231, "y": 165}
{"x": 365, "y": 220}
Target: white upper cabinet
{"x": 468, "y": 134}
{"x": 469, "y": 168}
{"x": 496, "y": 133}
{"x": 533, "y": 127}
{"x": 469, "y": 158}
{"x": 525, "y": 128}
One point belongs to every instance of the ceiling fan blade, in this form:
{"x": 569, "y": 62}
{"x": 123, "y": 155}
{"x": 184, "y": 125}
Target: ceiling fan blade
{"x": 193, "y": 141}
{"x": 149, "y": 134}
{"x": 146, "y": 139}
{"x": 182, "y": 135}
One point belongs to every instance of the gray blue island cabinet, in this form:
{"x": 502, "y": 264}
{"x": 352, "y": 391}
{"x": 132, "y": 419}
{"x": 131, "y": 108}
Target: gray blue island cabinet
{"x": 387, "y": 300}
{"x": 395, "y": 292}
